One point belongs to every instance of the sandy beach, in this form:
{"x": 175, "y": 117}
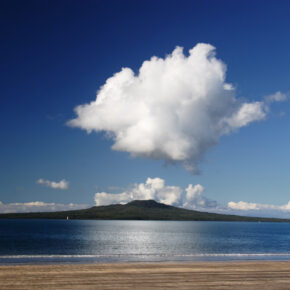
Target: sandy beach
{"x": 196, "y": 275}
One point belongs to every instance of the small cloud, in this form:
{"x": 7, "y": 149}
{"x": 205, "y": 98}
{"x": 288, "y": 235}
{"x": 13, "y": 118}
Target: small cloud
{"x": 38, "y": 206}
{"x": 277, "y": 97}
{"x": 62, "y": 184}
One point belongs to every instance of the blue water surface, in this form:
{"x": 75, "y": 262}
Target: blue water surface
{"x": 67, "y": 241}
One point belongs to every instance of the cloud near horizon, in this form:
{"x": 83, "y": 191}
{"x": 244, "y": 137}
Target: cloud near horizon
{"x": 248, "y": 206}
{"x": 175, "y": 109}
{"x": 259, "y": 209}
{"x": 62, "y": 184}
{"x": 38, "y": 206}
{"x": 192, "y": 197}
{"x": 155, "y": 188}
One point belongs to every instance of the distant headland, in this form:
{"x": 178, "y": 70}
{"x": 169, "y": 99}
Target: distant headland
{"x": 138, "y": 210}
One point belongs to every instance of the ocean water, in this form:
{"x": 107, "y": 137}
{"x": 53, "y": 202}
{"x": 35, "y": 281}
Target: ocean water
{"x": 92, "y": 241}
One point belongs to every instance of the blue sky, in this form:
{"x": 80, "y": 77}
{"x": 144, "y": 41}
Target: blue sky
{"x": 55, "y": 55}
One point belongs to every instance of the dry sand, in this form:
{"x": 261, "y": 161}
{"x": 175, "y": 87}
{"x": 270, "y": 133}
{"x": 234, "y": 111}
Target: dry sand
{"x": 197, "y": 275}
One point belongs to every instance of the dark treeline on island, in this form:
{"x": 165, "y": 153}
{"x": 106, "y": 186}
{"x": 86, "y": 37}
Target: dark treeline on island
{"x": 138, "y": 210}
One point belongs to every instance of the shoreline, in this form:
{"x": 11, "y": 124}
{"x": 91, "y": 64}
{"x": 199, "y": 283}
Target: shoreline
{"x": 140, "y": 258}
{"x": 149, "y": 275}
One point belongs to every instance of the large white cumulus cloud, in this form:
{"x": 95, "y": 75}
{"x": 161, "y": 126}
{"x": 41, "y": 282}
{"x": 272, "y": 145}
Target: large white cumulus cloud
{"x": 174, "y": 109}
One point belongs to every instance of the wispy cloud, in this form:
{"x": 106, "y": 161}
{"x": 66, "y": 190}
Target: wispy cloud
{"x": 277, "y": 97}
{"x": 62, "y": 184}
{"x": 175, "y": 109}
{"x": 38, "y": 206}
{"x": 252, "y": 208}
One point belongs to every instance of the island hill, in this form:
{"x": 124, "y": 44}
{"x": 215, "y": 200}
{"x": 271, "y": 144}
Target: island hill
{"x": 138, "y": 210}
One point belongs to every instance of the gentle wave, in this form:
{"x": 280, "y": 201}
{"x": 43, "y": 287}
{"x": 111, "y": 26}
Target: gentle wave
{"x": 146, "y": 255}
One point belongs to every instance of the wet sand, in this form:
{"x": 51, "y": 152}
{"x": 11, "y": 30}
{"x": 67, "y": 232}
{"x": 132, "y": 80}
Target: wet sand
{"x": 196, "y": 275}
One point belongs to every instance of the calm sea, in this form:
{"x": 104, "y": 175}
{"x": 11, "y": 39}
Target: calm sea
{"x": 78, "y": 241}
